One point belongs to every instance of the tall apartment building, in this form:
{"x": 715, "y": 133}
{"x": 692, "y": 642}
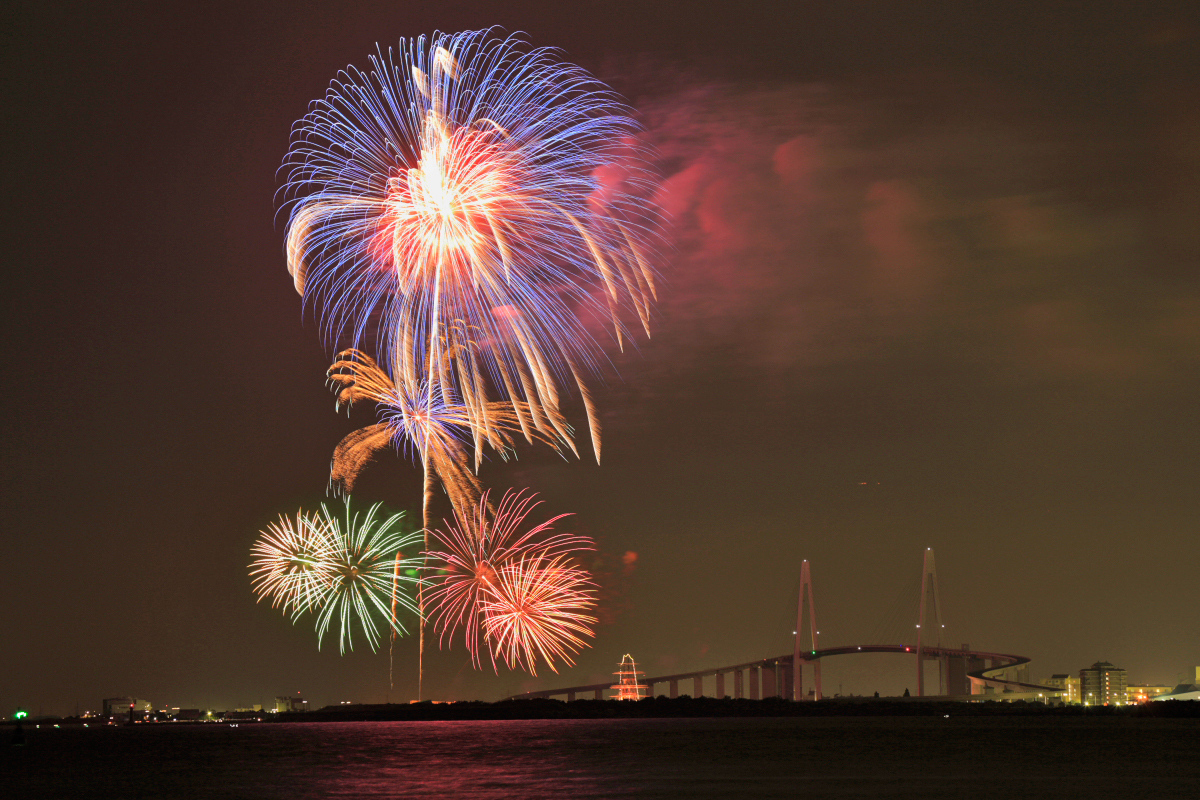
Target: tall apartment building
{"x": 1102, "y": 684}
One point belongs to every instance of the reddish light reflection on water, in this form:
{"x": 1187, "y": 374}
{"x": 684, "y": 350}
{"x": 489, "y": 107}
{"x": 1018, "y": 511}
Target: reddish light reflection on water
{"x": 710, "y": 758}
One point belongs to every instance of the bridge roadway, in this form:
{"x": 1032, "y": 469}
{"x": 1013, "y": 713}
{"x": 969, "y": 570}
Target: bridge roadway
{"x": 772, "y": 677}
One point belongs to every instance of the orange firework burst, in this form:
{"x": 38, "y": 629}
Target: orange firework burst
{"x": 431, "y": 424}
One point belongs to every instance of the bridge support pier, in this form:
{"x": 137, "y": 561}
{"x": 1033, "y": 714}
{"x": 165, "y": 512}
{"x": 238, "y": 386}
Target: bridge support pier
{"x": 754, "y": 691}
{"x": 768, "y": 681}
{"x": 785, "y": 683}
{"x": 599, "y": 694}
{"x": 674, "y": 689}
{"x": 798, "y": 671}
{"x": 698, "y": 686}
{"x": 570, "y": 697}
{"x": 738, "y": 683}
{"x": 720, "y": 685}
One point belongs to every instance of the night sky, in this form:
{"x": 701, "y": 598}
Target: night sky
{"x": 934, "y": 281}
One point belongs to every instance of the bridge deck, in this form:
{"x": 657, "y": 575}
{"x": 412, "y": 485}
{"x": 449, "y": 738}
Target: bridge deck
{"x": 981, "y": 676}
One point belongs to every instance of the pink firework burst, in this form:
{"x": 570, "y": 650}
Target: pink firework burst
{"x": 467, "y": 572}
{"x": 537, "y": 608}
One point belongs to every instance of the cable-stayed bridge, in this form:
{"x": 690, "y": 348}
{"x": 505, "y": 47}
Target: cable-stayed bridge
{"x": 963, "y": 673}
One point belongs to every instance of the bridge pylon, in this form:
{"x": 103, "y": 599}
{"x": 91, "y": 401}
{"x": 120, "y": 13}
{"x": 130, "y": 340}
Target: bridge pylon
{"x": 799, "y": 648}
{"x": 925, "y": 635}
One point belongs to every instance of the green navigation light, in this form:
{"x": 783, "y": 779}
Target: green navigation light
{"x": 21, "y": 715}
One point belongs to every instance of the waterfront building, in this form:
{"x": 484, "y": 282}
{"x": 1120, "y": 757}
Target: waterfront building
{"x": 1103, "y": 684}
{"x": 118, "y": 707}
{"x": 1184, "y": 691}
{"x": 284, "y": 703}
{"x": 1144, "y": 694}
{"x": 1065, "y": 683}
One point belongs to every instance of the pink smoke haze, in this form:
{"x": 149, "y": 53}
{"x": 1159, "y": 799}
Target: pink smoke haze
{"x": 833, "y": 227}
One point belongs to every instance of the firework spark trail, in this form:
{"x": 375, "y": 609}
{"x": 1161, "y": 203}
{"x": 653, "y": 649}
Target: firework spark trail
{"x": 449, "y": 199}
{"x": 474, "y": 551}
{"x": 537, "y": 607}
{"x": 292, "y": 564}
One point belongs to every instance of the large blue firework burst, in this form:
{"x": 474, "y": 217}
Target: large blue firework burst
{"x": 463, "y": 208}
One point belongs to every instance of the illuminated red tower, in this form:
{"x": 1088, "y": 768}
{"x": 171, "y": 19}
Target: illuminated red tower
{"x": 627, "y": 686}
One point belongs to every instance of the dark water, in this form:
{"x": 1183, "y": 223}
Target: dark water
{"x": 966, "y": 758}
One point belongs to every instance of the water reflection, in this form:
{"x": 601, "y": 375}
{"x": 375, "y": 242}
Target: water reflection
{"x": 710, "y": 758}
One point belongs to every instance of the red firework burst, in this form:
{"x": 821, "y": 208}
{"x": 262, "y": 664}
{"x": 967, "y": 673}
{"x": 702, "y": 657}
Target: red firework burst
{"x": 469, "y": 571}
{"x": 537, "y": 608}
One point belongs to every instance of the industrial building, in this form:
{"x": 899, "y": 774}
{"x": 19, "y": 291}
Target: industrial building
{"x": 119, "y": 707}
